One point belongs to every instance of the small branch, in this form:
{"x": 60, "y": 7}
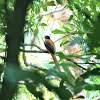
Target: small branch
{"x": 32, "y": 45}
{"x": 60, "y": 38}
{"x": 75, "y": 63}
{"x": 88, "y": 63}
{"x": 33, "y": 51}
{"x": 48, "y": 13}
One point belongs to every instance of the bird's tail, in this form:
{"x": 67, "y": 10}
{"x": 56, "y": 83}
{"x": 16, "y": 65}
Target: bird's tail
{"x": 54, "y": 58}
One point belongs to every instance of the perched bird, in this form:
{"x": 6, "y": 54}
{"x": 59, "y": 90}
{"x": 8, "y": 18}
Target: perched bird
{"x": 50, "y": 46}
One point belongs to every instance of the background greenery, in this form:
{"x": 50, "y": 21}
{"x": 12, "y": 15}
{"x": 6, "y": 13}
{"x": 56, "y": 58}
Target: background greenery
{"x": 26, "y": 70}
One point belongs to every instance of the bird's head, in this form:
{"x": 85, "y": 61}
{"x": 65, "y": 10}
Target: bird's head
{"x": 47, "y": 37}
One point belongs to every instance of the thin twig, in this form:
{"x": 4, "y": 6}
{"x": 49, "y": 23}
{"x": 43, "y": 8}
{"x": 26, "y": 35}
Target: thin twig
{"x": 48, "y": 13}
{"x": 75, "y": 63}
{"x": 32, "y": 45}
{"x": 88, "y": 63}
{"x": 62, "y": 38}
{"x": 33, "y": 51}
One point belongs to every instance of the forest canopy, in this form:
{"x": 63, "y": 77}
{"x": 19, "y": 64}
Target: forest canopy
{"x": 27, "y": 69}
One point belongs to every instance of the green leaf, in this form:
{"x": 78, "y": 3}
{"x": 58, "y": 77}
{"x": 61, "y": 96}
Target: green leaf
{"x": 77, "y": 7}
{"x": 32, "y": 88}
{"x": 59, "y": 1}
{"x": 40, "y": 18}
{"x": 71, "y": 17}
{"x": 2, "y": 49}
{"x": 70, "y": 2}
{"x": 63, "y": 93}
{"x": 61, "y": 55}
{"x": 45, "y": 8}
{"x": 70, "y": 7}
{"x": 65, "y": 67}
{"x": 1, "y": 44}
{"x": 36, "y": 31}
{"x": 86, "y": 13}
{"x": 70, "y": 25}
{"x": 66, "y": 29}
{"x": 63, "y": 43}
{"x": 37, "y": 10}
{"x": 50, "y": 3}
{"x": 43, "y": 24}
{"x": 58, "y": 32}
{"x": 98, "y": 5}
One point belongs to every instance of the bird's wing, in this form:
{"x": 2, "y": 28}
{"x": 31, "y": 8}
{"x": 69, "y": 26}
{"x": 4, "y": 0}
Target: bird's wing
{"x": 50, "y": 46}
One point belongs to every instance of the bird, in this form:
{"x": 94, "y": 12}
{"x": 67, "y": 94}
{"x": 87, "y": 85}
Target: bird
{"x": 50, "y": 47}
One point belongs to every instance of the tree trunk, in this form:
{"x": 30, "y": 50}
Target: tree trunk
{"x": 15, "y": 36}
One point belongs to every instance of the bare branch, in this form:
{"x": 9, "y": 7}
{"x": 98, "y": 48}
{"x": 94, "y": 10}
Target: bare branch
{"x": 75, "y": 63}
{"x": 33, "y": 51}
{"x": 32, "y": 45}
{"x": 88, "y": 63}
{"x": 48, "y": 13}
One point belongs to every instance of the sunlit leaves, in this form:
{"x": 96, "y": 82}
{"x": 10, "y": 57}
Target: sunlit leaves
{"x": 58, "y": 32}
{"x": 64, "y": 41}
{"x": 66, "y": 29}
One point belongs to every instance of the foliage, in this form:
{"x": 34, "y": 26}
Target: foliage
{"x": 84, "y": 30}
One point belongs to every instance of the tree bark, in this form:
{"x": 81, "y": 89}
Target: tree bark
{"x": 15, "y": 24}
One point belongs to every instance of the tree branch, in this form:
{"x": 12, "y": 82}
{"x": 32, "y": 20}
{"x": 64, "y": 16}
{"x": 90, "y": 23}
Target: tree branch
{"x": 32, "y": 45}
{"x": 33, "y": 51}
{"x": 88, "y": 63}
{"x": 48, "y": 13}
{"x": 75, "y": 63}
